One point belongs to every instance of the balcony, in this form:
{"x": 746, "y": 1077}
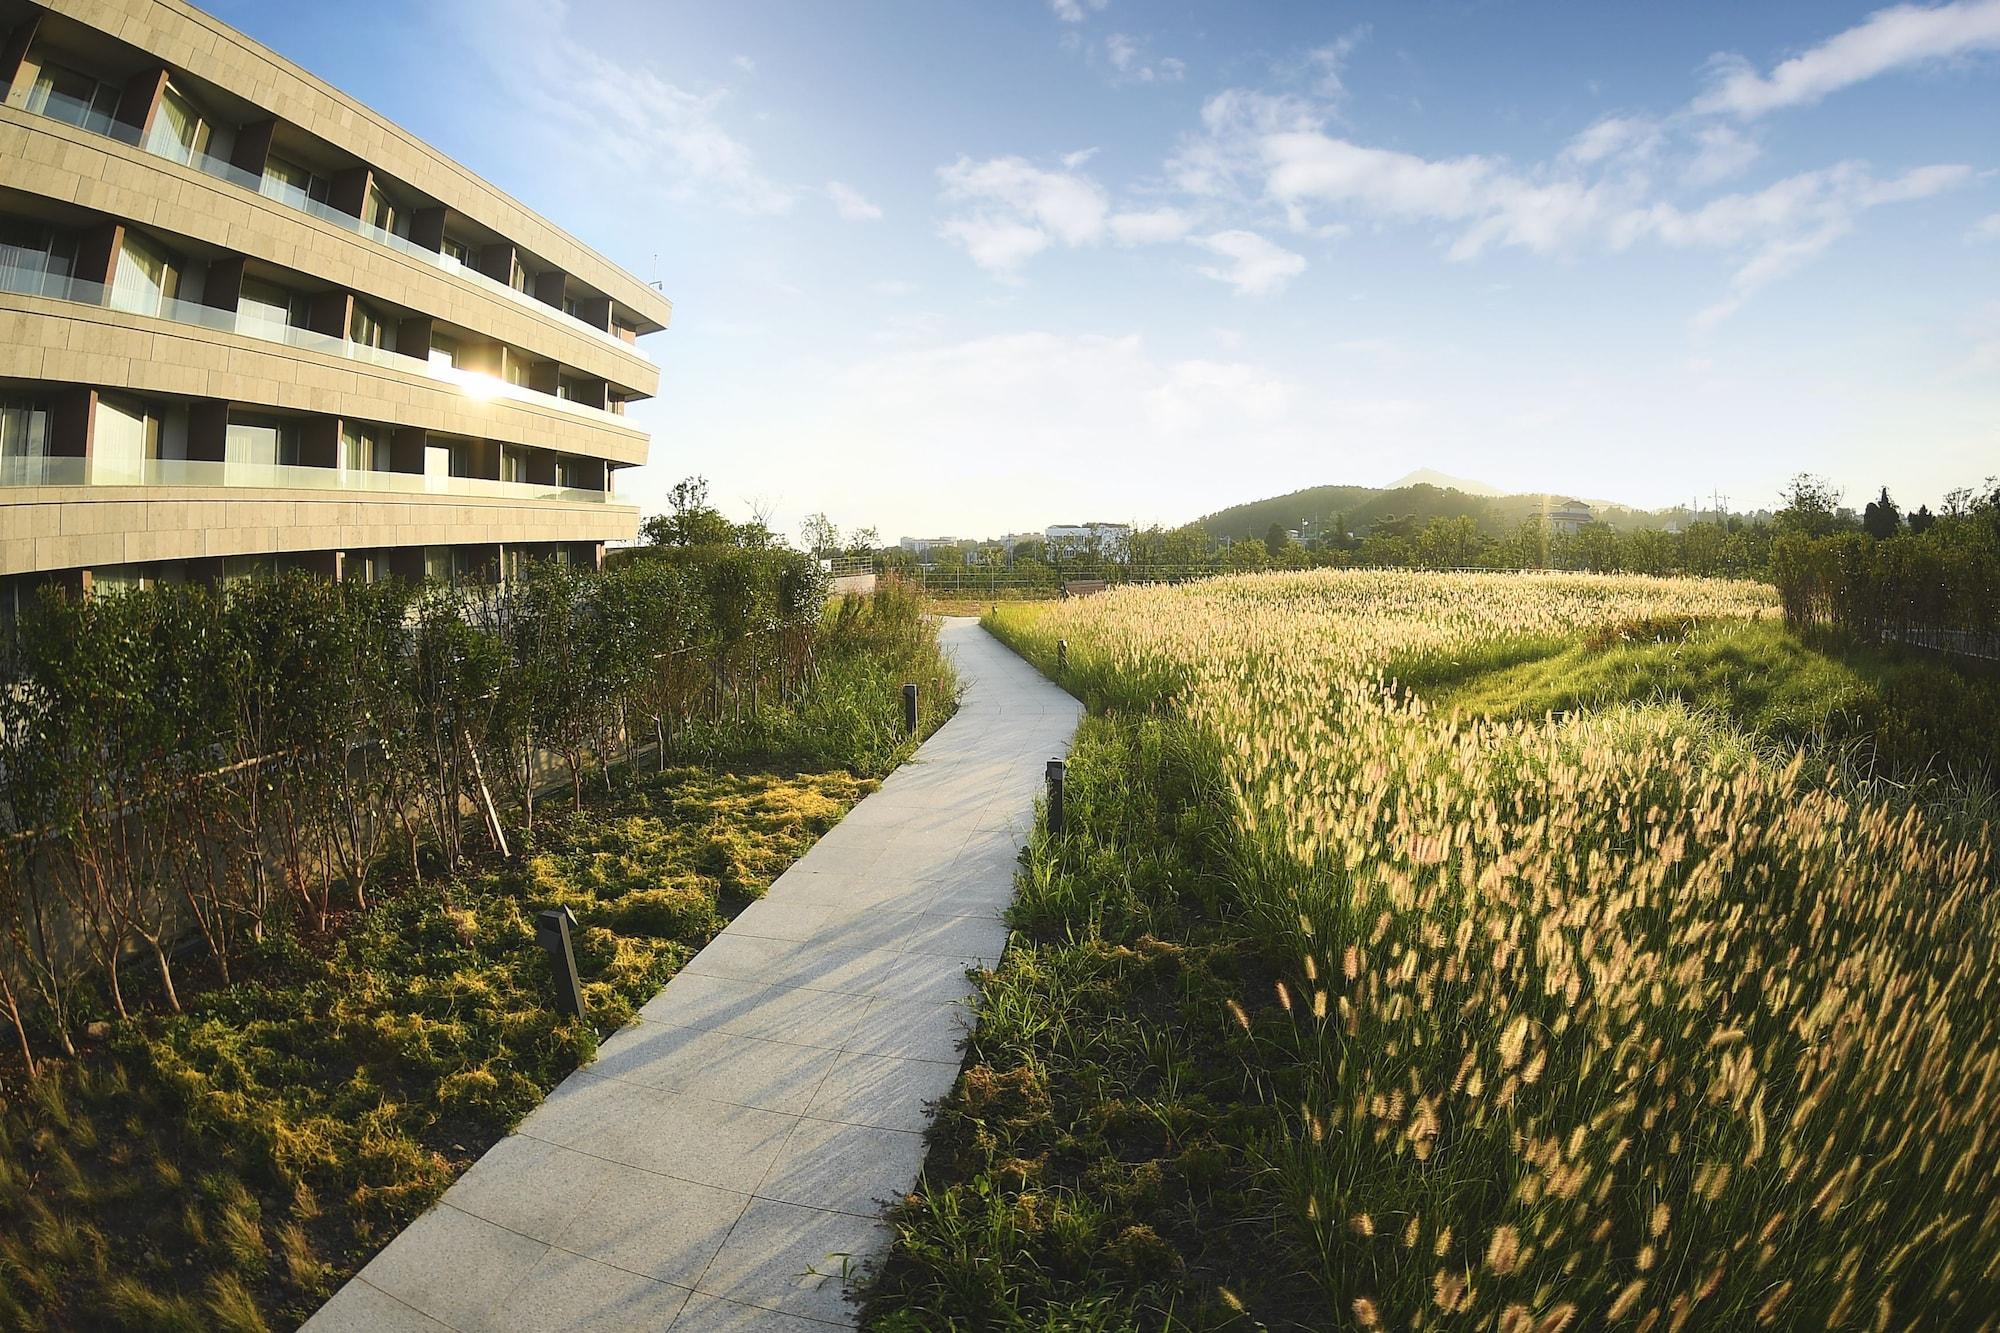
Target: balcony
{"x": 474, "y": 384}
{"x": 16, "y": 472}
{"x": 72, "y": 112}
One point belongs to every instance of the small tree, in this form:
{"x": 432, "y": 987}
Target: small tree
{"x": 1882, "y": 518}
{"x": 689, "y": 520}
{"x": 1811, "y": 506}
{"x": 818, "y": 536}
{"x": 1921, "y": 520}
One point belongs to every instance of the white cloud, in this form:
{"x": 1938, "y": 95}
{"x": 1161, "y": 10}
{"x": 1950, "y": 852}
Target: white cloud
{"x": 1071, "y": 161}
{"x": 1130, "y": 64}
{"x": 1324, "y": 68}
{"x": 647, "y": 128}
{"x": 1312, "y": 165}
{"x": 1722, "y": 151}
{"x": 1070, "y": 207}
{"x": 849, "y": 203}
{"x": 1234, "y": 123}
{"x": 1599, "y": 191}
{"x": 1889, "y": 39}
{"x": 1015, "y": 210}
{"x": 1986, "y": 229}
{"x": 1614, "y": 136}
{"x": 744, "y": 63}
{"x": 1256, "y": 267}
{"x": 1073, "y": 11}
{"x": 996, "y": 244}
{"x": 1150, "y": 226}
{"x": 1787, "y": 224}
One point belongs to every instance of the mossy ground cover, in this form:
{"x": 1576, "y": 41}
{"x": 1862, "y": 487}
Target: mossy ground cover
{"x": 1123, "y": 1150}
{"x": 227, "y": 1167}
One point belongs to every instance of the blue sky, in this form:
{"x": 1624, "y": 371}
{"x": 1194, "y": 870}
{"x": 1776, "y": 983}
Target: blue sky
{"x": 972, "y": 268}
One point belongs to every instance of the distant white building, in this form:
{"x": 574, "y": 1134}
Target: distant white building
{"x": 1570, "y": 516}
{"x": 1112, "y": 540}
{"x": 925, "y": 545}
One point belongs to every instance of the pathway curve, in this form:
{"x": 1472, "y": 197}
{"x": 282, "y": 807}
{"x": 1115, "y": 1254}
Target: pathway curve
{"x": 724, "y": 1160}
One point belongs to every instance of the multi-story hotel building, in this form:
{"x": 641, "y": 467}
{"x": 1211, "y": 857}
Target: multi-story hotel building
{"x": 247, "y": 323}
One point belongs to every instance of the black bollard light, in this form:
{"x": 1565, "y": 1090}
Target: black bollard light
{"x": 552, "y": 933}
{"x": 1055, "y": 777}
{"x": 910, "y": 709}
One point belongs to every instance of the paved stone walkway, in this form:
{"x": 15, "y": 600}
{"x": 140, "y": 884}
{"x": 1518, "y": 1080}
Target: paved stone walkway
{"x": 723, "y": 1161}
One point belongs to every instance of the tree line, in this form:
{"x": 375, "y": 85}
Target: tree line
{"x": 1928, "y": 579}
{"x": 219, "y": 763}
{"x": 1731, "y": 546}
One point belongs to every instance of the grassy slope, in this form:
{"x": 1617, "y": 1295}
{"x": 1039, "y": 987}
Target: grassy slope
{"x": 1101, "y": 1162}
{"x": 227, "y": 1167}
{"x": 1906, "y": 711}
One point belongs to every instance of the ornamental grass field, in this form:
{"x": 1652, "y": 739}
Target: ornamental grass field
{"x": 1625, "y": 1016}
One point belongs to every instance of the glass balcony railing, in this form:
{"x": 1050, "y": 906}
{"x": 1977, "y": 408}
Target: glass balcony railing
{"x": 274, "y": 476}
{"x": 474, "y": 384}
{"x": 71, "y": 111}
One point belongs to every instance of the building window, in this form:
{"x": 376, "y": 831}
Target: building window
{"x": 378, "y": 210}
{"x": 292, "y": 184}
{"x": 74, "y": 99}
{"x": 517, "y": 277}
{"x": 126, "y": 434}
{"x": 364, "y": 326}
{"x": 458, "y": 250}
{"x": 577, "y": 474}
{"x": 444, "y": 351}
{"x": 266, "y": 308}
{"x": 24, "y": 442}
{"x": 513, "y": 463}
{"x": 469, "y": 458}
{"x": 179, "y": 132}
{"x": 362, "y": 448}
{"x": 35, "y": 260}
{"x": 262, "y": 441}
{"x": 148, "y": 277}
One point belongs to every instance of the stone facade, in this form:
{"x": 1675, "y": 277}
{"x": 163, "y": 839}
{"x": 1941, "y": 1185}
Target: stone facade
{"x": 539, "y": 330}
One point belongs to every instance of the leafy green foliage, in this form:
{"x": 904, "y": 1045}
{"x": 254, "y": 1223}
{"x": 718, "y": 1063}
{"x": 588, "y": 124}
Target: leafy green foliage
{"x": 227, "y": 1160}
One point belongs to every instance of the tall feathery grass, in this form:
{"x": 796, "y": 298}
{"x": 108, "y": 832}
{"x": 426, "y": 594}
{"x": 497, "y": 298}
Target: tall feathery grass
{"x": 1596, "y": 1021}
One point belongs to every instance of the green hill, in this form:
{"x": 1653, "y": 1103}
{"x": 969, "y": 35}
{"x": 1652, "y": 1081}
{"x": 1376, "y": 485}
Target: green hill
{"x": 1358, "y": 509}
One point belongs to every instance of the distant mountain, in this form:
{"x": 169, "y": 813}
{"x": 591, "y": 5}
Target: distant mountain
{"x": 1358, "y": 509}
{"x": 1425, "y": 476}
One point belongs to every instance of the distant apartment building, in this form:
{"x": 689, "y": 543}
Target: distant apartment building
{"x": 246, "y": 323}
{"x": 1570, "y": 516}
{"x": 923, "y": 546}
{"x": 1111, "y": 540}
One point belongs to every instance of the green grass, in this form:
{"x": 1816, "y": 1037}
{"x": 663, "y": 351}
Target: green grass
{"x": 1095, "y": 1167}
{"x": 228, "y": 1167}
{"x": 1900, "y": 713}
{"x": 1123, "y": 1151}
